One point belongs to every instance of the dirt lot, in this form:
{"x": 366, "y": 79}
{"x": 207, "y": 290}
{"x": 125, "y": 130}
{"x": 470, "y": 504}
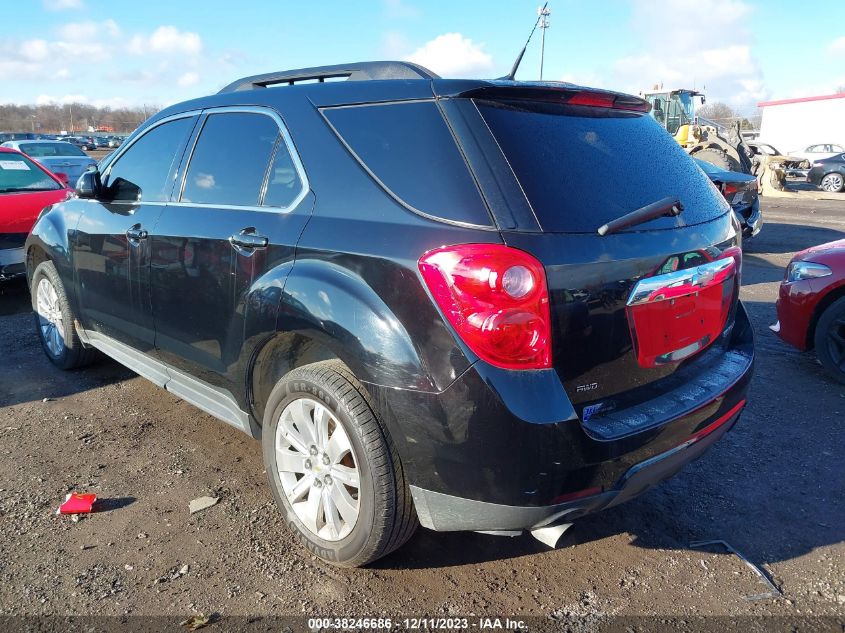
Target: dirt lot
{"x": 773, "y": 488}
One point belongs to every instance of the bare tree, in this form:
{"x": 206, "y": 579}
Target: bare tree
{"x": 720, "y": 113}
{"x": 77, "y": 117}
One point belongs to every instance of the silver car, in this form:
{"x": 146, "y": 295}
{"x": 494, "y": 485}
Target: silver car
{"x": 57, "y": 156}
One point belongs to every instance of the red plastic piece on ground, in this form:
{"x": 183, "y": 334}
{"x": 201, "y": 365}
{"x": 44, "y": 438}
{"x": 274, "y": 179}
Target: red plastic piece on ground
{"x": 77, "y": 503}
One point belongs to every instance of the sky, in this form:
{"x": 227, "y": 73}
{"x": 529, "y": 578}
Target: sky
{"x": 158, "y": 52}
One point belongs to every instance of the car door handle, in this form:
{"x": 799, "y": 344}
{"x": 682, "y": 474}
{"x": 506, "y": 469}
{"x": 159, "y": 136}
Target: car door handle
{"x": 249, "y": 239}
{"x": 136, "y": 233}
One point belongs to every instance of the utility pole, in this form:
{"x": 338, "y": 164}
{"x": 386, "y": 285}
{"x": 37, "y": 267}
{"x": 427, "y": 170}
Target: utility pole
{"x": 544, "y": 12}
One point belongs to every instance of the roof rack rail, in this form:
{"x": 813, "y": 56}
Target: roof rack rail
{"x": 359, "y": 71}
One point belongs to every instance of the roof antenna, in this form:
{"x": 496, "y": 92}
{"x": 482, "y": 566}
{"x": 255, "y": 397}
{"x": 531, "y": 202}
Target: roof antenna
{"x": 510, "y": 76}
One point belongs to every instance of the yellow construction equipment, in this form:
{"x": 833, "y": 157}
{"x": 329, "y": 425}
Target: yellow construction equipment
{"x": 722, "y": 146}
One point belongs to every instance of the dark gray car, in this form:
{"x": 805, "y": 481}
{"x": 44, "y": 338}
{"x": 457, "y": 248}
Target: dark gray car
{"x": 828, "y": 173}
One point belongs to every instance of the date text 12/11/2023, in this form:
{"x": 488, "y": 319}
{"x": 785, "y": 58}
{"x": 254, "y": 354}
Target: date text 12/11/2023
{"x": 480, "y": 623}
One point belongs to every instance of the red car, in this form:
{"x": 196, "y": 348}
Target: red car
{"x": 26, "y": 187}
{"x": 811, "y": 305}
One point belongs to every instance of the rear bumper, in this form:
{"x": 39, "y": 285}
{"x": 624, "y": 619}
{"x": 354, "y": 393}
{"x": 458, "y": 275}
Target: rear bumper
{"x": 505, "y": 450}
{"x": 445, "y": 513}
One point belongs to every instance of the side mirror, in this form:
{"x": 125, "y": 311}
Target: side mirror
{"x": 89, "y": 185}
{"x": 62, "y": 177}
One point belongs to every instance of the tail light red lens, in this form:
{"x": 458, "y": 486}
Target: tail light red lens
{"x": 728, "y": 189}
{"x": 497, "y": 300}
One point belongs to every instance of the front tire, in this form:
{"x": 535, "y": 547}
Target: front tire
{"x": 717, "y": 157}
{"x": 833, "y": 183}
{"x": 333, "y": 469}
{"x": 830, "y": 340}
{"x": 54, "y": 320}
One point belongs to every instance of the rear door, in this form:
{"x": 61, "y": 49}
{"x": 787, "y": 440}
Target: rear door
{"x": 111, "y": 249}
{"x": 237, "y": 214}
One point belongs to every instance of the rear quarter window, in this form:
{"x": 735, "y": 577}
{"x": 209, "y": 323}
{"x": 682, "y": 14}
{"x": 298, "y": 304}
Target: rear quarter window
{"x": 582, "y": 167}
{"x": 409, "y": 149}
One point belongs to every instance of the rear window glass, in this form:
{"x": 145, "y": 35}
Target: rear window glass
{"x": 42, "y": 150}
{"x": 582, "y": 167}
{"x": 410, "y": 150}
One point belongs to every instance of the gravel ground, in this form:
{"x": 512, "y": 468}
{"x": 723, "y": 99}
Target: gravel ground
{"x": 773, "y": 488}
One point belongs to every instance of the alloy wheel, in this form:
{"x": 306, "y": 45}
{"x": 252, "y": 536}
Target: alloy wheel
{"x": 832, "y": 183}
{"x": 318, "y": 469}
{"x": 50, "y": 318}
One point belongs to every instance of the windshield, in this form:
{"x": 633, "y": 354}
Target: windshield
{"x": 671, "y": 110}
{"x": 18, "y": 173}
{"x": 582, "y": 167}
{"x": 46, "y": 150}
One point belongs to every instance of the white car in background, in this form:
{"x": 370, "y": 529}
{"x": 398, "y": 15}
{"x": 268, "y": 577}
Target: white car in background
{"x": 818, "y": 152}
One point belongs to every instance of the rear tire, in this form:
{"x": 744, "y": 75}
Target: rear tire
{"x": 833, "y": 183}
{"x": 54, "y": 320}
{"x": 349, "y": 506}
{"x": 717, "y": 157}
{"x": 830, "y": 340}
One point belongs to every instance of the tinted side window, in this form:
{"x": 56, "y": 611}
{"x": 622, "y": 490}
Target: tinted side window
{"x": 141, "y": 172}
{"x": 230, "y": 159}
{"x": 409, "y": 148}
{"x": 284, "y": 183}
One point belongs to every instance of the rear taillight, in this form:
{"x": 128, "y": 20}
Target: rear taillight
{"x": 497, "y": 300}
{"x": 736, "y": 253}
{"x": 729, "y": 189}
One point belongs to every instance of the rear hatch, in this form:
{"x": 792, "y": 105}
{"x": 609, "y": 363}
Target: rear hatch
{"x": 631, "y": 307}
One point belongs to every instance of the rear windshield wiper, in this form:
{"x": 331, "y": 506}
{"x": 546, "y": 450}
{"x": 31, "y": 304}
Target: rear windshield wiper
{"x": 667, "y": 207}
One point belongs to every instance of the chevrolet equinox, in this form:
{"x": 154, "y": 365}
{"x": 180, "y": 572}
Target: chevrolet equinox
{"x": 480, "y": 305}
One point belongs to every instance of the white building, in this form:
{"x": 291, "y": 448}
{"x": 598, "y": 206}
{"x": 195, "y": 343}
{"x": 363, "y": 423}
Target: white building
{"x": 793, "y": 124}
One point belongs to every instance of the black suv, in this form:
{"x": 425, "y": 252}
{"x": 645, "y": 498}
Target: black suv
{"x": 474, "y": 305}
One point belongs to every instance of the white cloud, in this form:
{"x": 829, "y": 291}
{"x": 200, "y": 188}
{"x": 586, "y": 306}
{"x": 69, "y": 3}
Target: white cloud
{"x": 50, "y": 99}
{"x": 35, "y": 50}
{"x": 453, "y": 55}
{"x": 63, "y": 5}
{"x": 167, "y": 40}
{"x": 204, "y": 181}
{"x": 682, "y": 52}
{"x": 34, "y": 60}
{"x": 88, "y": 30}
{"x": 837, "y": 46}
{"x": 113, "y": 102}
{"x": 189, "y": 79}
